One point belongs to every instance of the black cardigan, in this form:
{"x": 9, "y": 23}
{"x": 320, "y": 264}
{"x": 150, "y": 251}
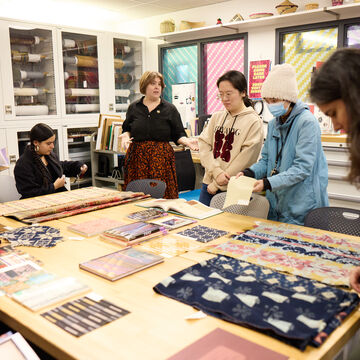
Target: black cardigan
{"x": 28, "y": 177}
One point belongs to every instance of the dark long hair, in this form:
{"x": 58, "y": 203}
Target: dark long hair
{"x": 338, "y": 78}
{"x": 40, "y": 132}
{"x": 238, "y": 81}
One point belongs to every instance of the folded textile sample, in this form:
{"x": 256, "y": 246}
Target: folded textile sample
{"x": 290, "y": 308}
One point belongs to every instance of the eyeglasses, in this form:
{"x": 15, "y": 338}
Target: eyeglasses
{"x": 227, "y": 95}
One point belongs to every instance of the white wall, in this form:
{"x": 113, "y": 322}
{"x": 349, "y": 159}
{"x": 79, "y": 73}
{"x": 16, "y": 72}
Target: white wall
{"x": 261, "y": 41}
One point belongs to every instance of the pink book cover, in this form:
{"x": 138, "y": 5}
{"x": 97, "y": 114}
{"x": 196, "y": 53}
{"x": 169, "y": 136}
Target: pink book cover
{"x": 223, "y": 345}
{"x": 94, "y": 227}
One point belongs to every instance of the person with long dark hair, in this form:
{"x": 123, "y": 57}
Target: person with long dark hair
{"x": 233, "y": 138}
{"x": 336, "y": 90}
{"x": 292, "y": 168}
{"x": 38, "y": 170}
{"x": 151, "y": 122}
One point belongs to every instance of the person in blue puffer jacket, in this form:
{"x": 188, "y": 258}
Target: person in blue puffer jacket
{"x": 292, "y": 168}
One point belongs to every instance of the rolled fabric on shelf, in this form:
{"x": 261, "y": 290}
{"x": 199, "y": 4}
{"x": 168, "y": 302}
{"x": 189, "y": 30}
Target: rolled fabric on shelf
{"x": 21, "y": 75}
{"x": 119, "y": 64}
{"x": 28, "y": 110}
{"x": 28, "y": 40}
{"x": 29, "y": 91}
{"x": 71, "y": 60}
{"x": 68, "y": 43}
{"x": 79, "y": 108}
{"x": 121, "y": 49}
{"x": 121, "y": 107}
{"x": 123, "y": 78}
{"x": 66, "y": 75}
{"x": 82, "y": 92}
{"x": 123, "y": 92}
{"x": 86, "y": 61}
{"x": 26, "y": 57}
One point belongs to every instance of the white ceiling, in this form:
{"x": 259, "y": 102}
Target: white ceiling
{"x": 139, "y": 9}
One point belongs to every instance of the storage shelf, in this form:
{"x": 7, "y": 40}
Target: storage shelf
{"x": 301, "y": 17}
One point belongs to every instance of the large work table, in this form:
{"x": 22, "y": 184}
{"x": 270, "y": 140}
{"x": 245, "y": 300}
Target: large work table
{"x": 156, "y": 327}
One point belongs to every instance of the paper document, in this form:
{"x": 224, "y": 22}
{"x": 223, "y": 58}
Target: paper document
{"x": 239, "y": 191}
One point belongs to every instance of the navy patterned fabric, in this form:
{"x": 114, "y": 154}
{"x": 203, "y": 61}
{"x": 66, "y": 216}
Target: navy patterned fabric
{"x": 293, "y": 309}
{"x": 202, "y": 233}
{"x": 36, "y": 235}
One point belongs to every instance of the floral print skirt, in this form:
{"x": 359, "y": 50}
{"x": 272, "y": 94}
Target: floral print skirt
{"x": 152, "y": 160}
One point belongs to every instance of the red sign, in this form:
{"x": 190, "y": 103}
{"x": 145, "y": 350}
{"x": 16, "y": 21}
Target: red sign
{"x": 258, "y": 72}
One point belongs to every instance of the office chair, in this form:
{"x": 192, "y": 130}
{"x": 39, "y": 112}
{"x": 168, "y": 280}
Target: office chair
{"x": 337, "y": 219}
{"x": 258, "y": 206}
{"x": 8, "y": 189}
{"x": 185, "y": 170}
{"x": 156, "y": 188}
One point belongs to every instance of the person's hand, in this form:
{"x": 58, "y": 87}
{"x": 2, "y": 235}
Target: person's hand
{"x": 211, "y": 189}
{"x": 83, "y": 169}
{"x": 125, "y": 140}
{"x": 258, "y": 186}
{"x": 59, "y": 182}
{"x": 193, "y": 144}
{"x": 355, "y": 279}
{"x": 223, "y": 178}
{"x": 239, "y": 174}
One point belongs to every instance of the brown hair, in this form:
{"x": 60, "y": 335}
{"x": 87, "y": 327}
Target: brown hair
{"x": 338, "y": 78}
{"x": 147, "y": 77}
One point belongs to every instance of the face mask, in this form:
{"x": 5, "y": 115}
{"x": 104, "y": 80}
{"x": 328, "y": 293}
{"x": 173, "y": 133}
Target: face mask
{"x": 277, "y": 109}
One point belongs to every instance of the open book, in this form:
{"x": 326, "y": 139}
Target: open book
{"x": 191, "y": 208}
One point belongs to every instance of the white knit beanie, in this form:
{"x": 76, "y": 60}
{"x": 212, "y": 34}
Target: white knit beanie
{"x": 281, "y": 84}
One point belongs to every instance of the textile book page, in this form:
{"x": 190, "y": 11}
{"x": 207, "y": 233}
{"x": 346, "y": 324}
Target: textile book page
{"x": 191, "y": 208}
{"x": 239, "y": 191}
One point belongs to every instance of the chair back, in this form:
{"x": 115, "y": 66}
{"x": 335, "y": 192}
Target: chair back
{"x": 185, "y": 170}
{"x": 156, "y": 188}
{"x": 337, "y": 219}
{"x": 8, "y": 191}
{"x": 258, "y": 206}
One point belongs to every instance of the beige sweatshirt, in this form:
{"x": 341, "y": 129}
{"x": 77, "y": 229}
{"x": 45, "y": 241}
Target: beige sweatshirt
{"x": 248, "y": 140}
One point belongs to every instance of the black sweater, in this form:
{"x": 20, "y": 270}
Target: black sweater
{"x": 29, "y": 179}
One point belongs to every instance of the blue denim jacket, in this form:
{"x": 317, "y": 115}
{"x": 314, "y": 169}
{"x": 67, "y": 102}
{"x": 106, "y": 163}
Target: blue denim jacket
{"x": 301, "y": 184}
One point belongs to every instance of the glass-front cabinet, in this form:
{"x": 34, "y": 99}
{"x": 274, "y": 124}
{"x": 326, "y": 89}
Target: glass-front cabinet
{"x": 81, "y": 77}
{"x": 127, "y": 72}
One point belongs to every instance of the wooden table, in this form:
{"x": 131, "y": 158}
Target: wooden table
{"x": 156, "y": 327}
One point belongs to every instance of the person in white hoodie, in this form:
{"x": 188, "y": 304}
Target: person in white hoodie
{"x": 233, "y": 138}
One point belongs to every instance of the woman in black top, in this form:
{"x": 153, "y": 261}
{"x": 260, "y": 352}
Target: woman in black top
{"x": 150, "y": 124}
{"x": 38, "y": 170}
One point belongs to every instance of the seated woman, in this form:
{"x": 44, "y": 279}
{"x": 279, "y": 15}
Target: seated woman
{"x": 38, "y": 170}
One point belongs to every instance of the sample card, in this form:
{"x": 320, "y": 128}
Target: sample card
{"x": 83, "y": 315}
{"x": 202, "y": 233}
{"x": 239, "y": 191}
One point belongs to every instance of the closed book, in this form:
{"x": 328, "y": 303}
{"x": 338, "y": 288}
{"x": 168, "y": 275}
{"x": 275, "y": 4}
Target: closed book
{"x": 121, "y": 263}
{"x": 94, "y": 227}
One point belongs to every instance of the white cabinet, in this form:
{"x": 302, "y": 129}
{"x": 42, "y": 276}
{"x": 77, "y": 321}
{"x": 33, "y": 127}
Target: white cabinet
{"x": 64, "y": 77}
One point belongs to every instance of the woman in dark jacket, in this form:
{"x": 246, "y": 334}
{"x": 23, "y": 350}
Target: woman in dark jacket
{"x": 38, "y": 170}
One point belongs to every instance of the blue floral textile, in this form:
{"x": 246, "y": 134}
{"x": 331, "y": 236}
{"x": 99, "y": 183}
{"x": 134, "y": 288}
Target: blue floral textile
{"x": 202, "y": 233}
{"x": 293, "y": 309}
{"x": 36, "y": 235}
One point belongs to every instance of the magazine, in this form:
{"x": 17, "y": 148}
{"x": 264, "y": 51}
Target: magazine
{"x": 191, "y": 208}
{"x": 148, "y": 214}
{"x": 172, "y": 222}
{"x": 121, "y": 263}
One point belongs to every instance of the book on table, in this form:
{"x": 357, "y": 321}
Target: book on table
{"x": 134, "y": 233}
{"x": 148, "y": 214}
{"x": 121, "y": 263}
{"x": 172, "y": 222}
{"x": 191, "y": 208}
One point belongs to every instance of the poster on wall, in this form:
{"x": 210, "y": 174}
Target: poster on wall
{"x": 183, "y": 97}
{"x": 258, "y": 71}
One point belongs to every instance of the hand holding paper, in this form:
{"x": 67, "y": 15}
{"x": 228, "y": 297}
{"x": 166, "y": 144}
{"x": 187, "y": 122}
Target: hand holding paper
{"x": 239, "y": 190}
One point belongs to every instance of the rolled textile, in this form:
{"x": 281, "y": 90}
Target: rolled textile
{"x": 121, "y": 107}
{"x": 78, "y": 108}
{"x": 25, "y": 57}
{"x": 68, "y": 43}
{"x": 71, "y": 60}
{"x": 29, "y": 40}
{"x": 66, "y": 75}
{"x": 119, "y": 64}
{"x": 29, "y": 91}
{"x": 123, "y": 78}
{"x": 121, "y": 49}
{"x": 86, "y": 61}
{"x": 28, "y": 110}
{"x": 82, "y": 92}
{"x": 122, "y": 92}
{"x": 21, "y": 75}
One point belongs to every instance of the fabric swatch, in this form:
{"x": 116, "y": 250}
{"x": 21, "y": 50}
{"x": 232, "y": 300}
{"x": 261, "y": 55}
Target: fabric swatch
{"x": 290, "y": 308}
{"x": 202, "y": 233}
